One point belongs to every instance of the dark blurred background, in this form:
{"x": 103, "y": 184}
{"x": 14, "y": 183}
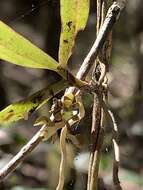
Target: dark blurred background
{"x": 39, "y": 21}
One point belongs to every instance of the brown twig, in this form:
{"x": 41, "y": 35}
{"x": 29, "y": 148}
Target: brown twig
{"x": 116, "y": 161}
{"x": 111, "y": 18}
{"x": 7, "y": 169}
{"x": 98, "y": 75}
{"x": 95, "y": 145}
{"x": 33, "y": 143}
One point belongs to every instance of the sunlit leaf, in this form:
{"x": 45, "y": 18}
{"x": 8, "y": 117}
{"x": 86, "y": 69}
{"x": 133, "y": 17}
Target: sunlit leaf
{"x": 17, "y": 50}
{"x": 23, "y": 108}
{"x": 74, "y": 14}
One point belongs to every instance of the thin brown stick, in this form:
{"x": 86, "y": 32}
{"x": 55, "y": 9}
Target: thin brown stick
{"x": 90, "y": 170}
{"x": 97, "y": 114}
{"x": 95, "y": 148}
{"x": 96, "y": 161}
{"x": 111, "y": 18}
{"x": 33, "y": 143}
{"x": 21, "y": 155}
{"x": 116, "y": 161}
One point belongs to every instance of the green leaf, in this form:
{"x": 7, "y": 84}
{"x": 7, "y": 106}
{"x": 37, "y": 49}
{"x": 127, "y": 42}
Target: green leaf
{"x": 16, "y": 49}
{"x": 23, "y": 108}
{"x": 74, "y": 14}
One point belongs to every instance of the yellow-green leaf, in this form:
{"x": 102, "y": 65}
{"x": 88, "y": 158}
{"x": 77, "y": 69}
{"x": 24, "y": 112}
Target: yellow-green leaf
{"x": 23, "y": 108}
{"x": 74, "y": 14}
{"x": 16, "y": 49}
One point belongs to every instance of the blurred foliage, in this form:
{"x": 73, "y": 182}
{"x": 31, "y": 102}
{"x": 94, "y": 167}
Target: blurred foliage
{"x": 25, "y": 188}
